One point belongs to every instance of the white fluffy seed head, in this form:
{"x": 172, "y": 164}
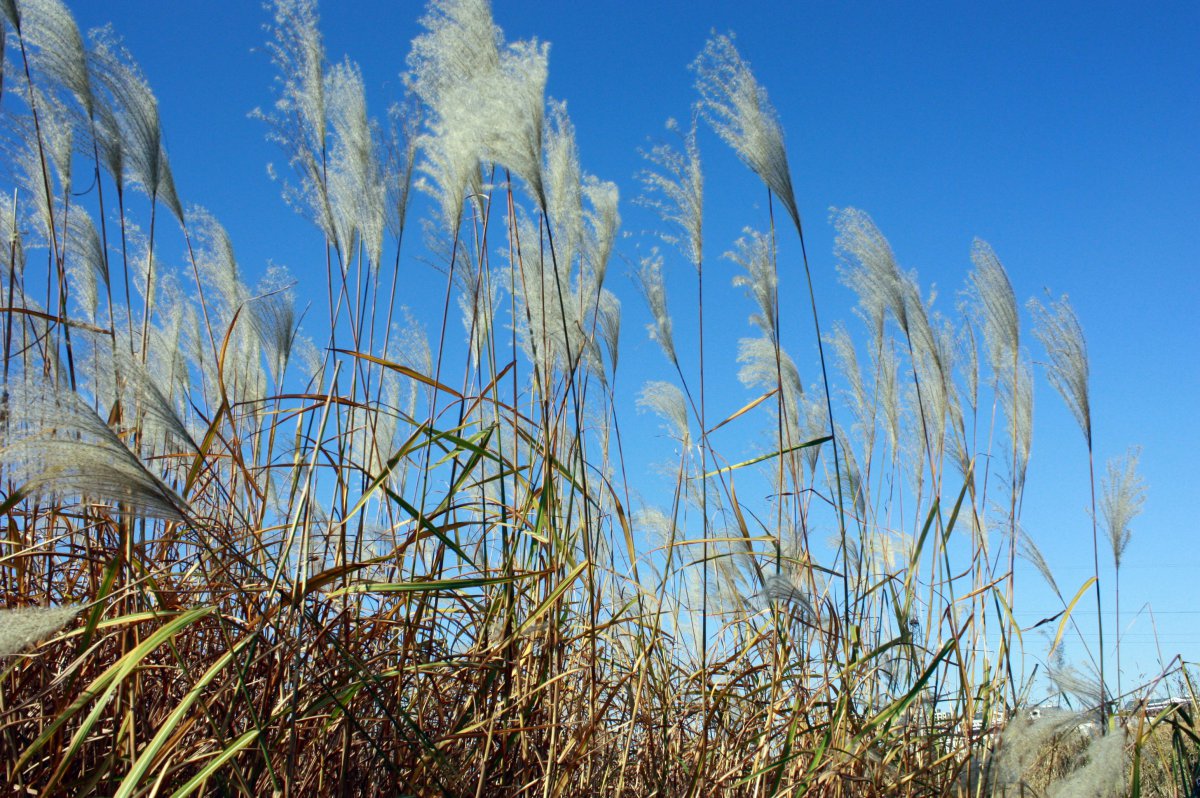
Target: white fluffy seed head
{"x": 55, "y": 444}
{"x": 1059, "y": 330}
{"x": 737, "y": 108}
{"x": 668, "y": 402}
{"x": 21, "y": 627}
{"x": 754, "y": 252}
{"x": 673, "y": 186}
{"x": 650, "y": 281}
{"x": 357, "y": 206}
{"x": 136, "y": 116}
{"x": 995, "y": 306}
{"x": 1122, "y": 494}
{"x": 57, "y": 48}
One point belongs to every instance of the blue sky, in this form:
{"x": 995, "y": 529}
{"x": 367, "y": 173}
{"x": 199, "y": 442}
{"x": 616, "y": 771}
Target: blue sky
{"x": 1067, "y": 136}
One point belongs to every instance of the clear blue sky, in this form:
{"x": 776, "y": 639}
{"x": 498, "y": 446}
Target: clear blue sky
{"x": 1067, "y": 136}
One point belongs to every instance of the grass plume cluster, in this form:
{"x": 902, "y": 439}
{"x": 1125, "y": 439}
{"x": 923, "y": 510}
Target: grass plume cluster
{"x": 393, "y": 555}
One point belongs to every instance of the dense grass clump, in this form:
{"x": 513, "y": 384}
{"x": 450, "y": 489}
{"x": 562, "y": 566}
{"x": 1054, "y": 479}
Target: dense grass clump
{"x": 357, "y": 559}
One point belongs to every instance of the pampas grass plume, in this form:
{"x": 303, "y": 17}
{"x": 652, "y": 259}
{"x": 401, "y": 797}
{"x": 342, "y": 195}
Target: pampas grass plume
{"x": 21, "y": 627}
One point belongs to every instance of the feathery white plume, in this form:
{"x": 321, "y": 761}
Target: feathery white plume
{"x": 602, "y": 221}
{"x": 85, "y": 259}
{"x": 1033, "y": 555}
{"x": 12, "y": 245}
{"x": 650, "y": 281}
{"x": 403, "y": 135}
{"x": 667, "y": 400}
{"x": 144, "y": 398}
{"x": 736, "y": 106}
{"x": 57, "y": 47}
{"x": 137, "y": 120}
{"x": 1101, "y": 776}
{"x": 609, "y": 311}
{"x": 781, "y": 588}
{"x": 759, "y": 369}
{"x": 754, "y": 253}
{"x": 563, "y": 185}
{"x": 54, "y": 443}
{"x": 21, "y": 627}
{"x": 298, "y": 123}
{"x": 1122, "y": 494}
{"x": 1060, "y": 332}
{"x": 995, "y": 307}
{"x": 273, "y": 314}
{"x": 357, "y": 196}
{"x": 674, "y": 188}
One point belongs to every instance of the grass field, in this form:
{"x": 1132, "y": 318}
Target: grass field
{"x": 390, "y": 555}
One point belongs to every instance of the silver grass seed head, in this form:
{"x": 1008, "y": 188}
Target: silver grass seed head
{"x": 1102, "y": 775}
{"x": 603, "y": 221}
{"x": 84, "y": 244}
{"x": 1032, "y": 554}
{"x": 55, "y": 444}
{"x": 610, "y": 326}
{"x": 783, "y": 588}
{"x": 889, "y": 549}
{"x": 299, "y": 56}
{"x": 169, "y": 348}
{"x": 737, "y": 108}
{"x": 1070, "y": 681}
{"x": 460, "y": 41}
{"x": 868, "y": 267}
{"x": 507, "y": 109}
{"x": 57, "y": 47}
{"x": 108, "y": 138}
{"x": 813, "y": 423}
{"x": 765, "y": 366}
{"x": 563, "y": 183}
{"x": 754, "y": 252}
{"x": 145, "y": 396}
{"x": 298, "y": 122}
{"x": 137, "y": 119}
{"x": 412, "y": 343}
{"x": 85, "y": 258}
{"x": 403, "y": 134}
{"x": 449, "y": 171}
{"x": 1122, "y": 495}
{"x": 1017, "y": 399}
{"x": 21, "y": 627}
{"x": 1024, "y": 737}
{"x": 57, "y": 125}
{"x": 12, "y": 244}
{"x": 667, "y": 401}
{"x": 273, "y": 314}
{"x": 30, "y": 184}
{"x": 914, "y": 316}
{"x": 887, "y": 366}
{"x": 550, "y": 323}
{"x": 478, "y": 304}
{"x": 216, "y": 262}
{"x": 654, "y": 291}
{"x": 1061, "y": 334}
{"x": 969, "y": 355}
{"x": 995, "y": 306}
{"x": 660, "y": 527}
{"x": 853, "y": 485}
{"x": 861, "y": 405}
{"x": 357, "y": 197}
{"x": 673, "y": 187}
{"x": 312, "y": 361}
{"x": 485, "y": 100}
